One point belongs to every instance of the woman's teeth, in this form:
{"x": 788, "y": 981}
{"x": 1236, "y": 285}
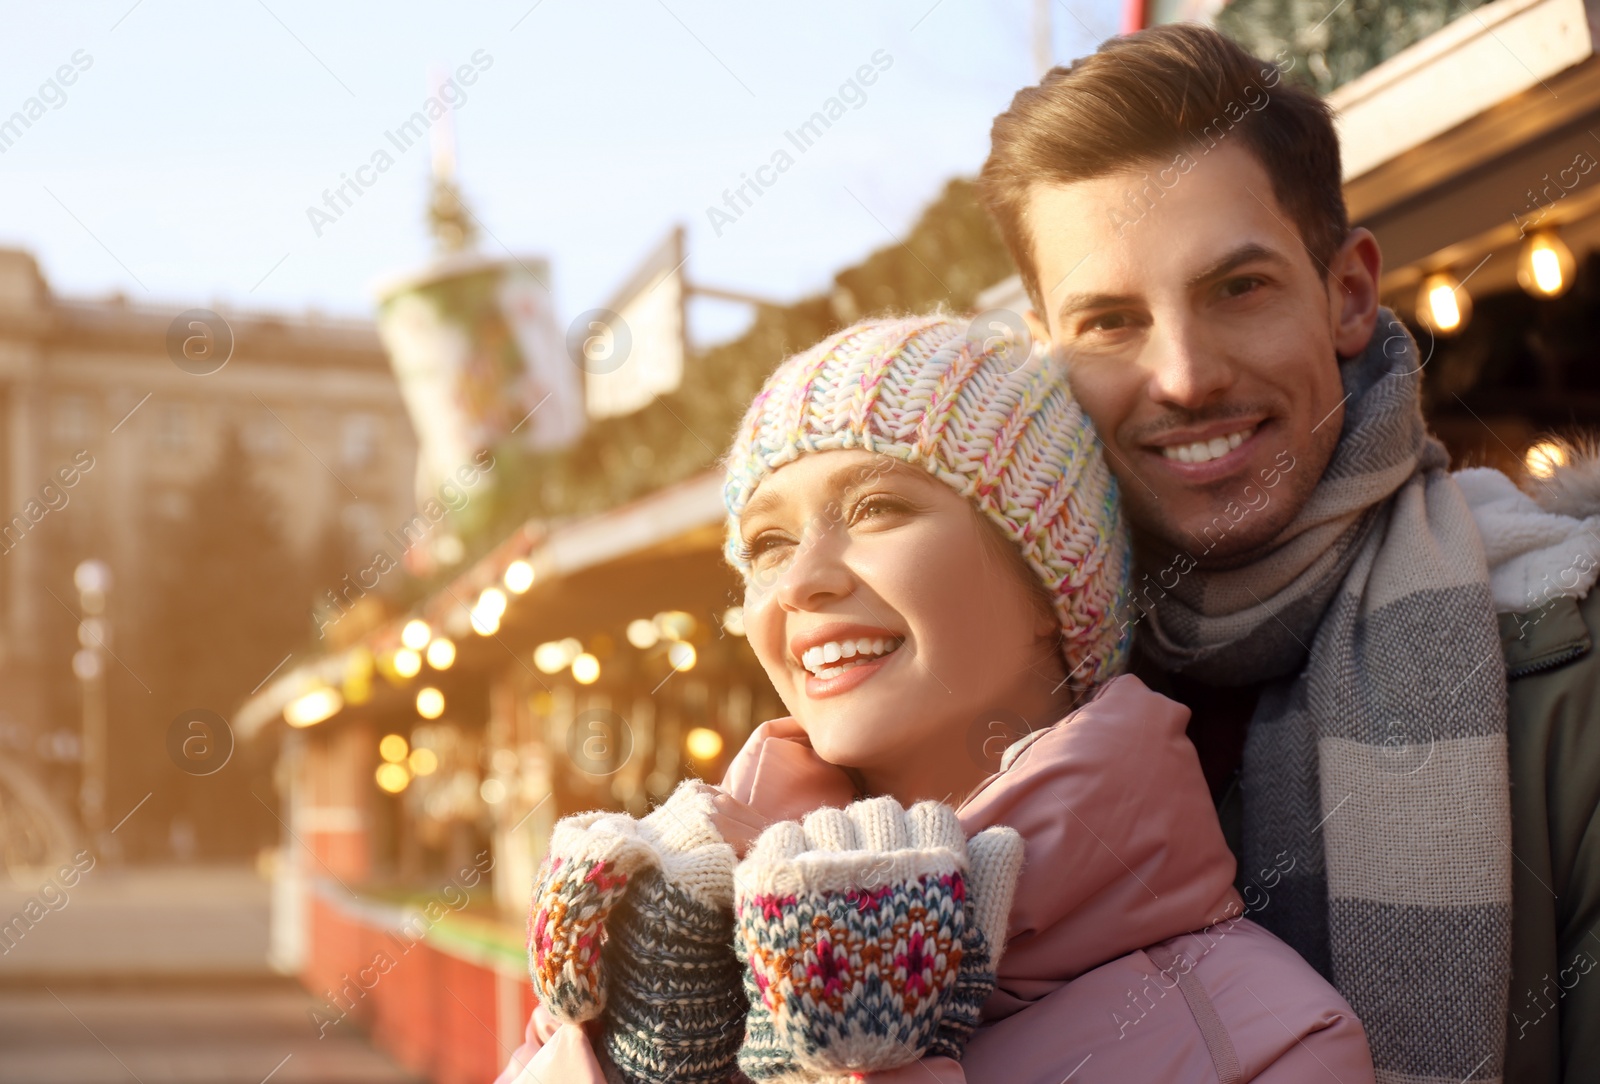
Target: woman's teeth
{"x": 1204, "y": 451}
{"x": 833, "y": 658}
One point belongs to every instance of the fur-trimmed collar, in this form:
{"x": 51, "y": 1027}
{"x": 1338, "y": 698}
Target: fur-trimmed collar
{"x": 1542, "y": 541}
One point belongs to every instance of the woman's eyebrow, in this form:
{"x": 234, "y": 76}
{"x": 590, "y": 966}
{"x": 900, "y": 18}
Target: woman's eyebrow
{"x": 760, "y": 504}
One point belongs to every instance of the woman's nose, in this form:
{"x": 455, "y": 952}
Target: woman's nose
{"x": 816, "y": 572}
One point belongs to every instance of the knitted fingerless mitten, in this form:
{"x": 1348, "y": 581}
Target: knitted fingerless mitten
{"x": 870, "y": 937}
{"x": 676, "y": 1006}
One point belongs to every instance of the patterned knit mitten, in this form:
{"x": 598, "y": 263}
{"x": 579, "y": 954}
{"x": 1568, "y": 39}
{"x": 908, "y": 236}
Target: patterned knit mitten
{"x": 870, "y": 937}
{"x": 631, "y": 924}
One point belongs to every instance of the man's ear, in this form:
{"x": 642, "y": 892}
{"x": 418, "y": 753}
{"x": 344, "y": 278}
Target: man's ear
{"x": 1353, "y": 275}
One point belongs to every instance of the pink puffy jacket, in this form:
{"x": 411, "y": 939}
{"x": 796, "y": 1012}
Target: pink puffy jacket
{"x": 1126, "y": 958}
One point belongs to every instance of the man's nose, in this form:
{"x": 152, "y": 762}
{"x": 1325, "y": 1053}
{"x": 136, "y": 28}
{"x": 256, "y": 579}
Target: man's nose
{"x": 1185, "y": 371}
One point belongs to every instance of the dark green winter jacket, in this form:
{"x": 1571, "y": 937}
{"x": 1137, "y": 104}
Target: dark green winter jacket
{"x": 1552, "y": 659}
{"x": 1553, "y": 680}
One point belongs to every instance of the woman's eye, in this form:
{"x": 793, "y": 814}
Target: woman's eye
{"x": 760, "y": 546}
{"x": 876, "y": 506}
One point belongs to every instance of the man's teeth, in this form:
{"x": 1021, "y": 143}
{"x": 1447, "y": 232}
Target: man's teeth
{"x": 1203, "y": 451}
{"x": 820, "y": 659}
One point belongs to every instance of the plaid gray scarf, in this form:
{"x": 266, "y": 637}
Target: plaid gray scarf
{"x": 1377, "y": 817}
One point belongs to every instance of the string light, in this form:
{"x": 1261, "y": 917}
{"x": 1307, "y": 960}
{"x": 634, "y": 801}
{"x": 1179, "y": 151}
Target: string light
{"x": 585, "y": 669}
{"x": 703, "y": 743}
{"x": 1442, "y": 305}
{"x": 518, "y": 577}
{"x": 393, "y": 778}
{"x": 416, "y": 634}
{"x": 393, "y": 748}
{"x": 430, "y": 703}
{"x": 1546, "y": 266}
{"x": 442, "y": 653}
{"x": 407, "y": 663}
{"x": 313, "y": 707}
{"x": 1544, "y": 458}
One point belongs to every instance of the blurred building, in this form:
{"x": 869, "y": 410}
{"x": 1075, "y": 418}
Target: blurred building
{"x": 106, "y": 424}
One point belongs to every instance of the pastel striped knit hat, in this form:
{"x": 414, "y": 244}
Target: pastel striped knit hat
{"x": 1008, "y": 437}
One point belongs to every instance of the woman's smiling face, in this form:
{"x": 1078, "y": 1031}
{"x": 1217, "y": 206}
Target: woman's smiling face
{"x": 894, "y": 630}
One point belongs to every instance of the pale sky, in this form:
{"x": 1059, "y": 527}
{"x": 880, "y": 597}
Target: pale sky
{"x": 179, "y": 165}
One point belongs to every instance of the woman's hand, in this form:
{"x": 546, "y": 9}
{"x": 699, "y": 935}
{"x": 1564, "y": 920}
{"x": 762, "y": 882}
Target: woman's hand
{"x": 738, "y": 823}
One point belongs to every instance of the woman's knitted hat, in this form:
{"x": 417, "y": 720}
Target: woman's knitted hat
{"x": 1004, "y": 433}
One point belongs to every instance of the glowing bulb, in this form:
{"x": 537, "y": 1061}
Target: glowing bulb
{"x": 442, "y": 653}
{"x": 1546, "y": 266}
{"x": 313, "y": 707}
{"x": 675, "y": 625}
{"x": 430, "y": 703}
{"x": 681, "y": 655}
{"x": 585, "y": 669}
{"x": 393, "y": 778}
{"x": 416, "y": 634}
{"x": 393, "y": 748}
{"x": 407, "y": 662}
{"x": 642, "y": 634}
{"x": 551, "y": 657}
{"x": 518, "y": 577}
{"x": 492, "y": 602}
{"x": 1544, "y": 458}
{"x": 424, "y": 761}
{"x": 703, "y": 743}
{"x": 1442, "y": 304}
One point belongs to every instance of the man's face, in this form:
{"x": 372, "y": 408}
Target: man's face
{"x": 1203, "y": 339}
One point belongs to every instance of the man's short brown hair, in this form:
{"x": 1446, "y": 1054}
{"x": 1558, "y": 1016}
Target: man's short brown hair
{"x": 1148, "y": 98}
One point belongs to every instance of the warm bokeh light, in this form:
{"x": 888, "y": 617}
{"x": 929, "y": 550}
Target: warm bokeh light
{"x": 703, "y": 743}
{"x": 585, "y": 669}
{"x": 313, "y": 707}
{"x": 675, "y": 625}
{"x": 423, "y": 761}
{"x": 442, "y": 653}
{"x": 492, "y": 791}
{"x": 551, "y": 657}
{"x": 518, "y": 577}
{"x": 1544, "y": 458}
{"x": 416, "y": 634}
{"x": 1546, "y": 266}
{"x": 492, "y": 602}
{"x": 407, "y": 663}
{"x": 393, "y": 778}
{"x": 430, "y": 703}
{"x": 393, "y": 748}
{"x": 642, "y": 633}
{"x": 1442, "y": 304}
{"x": 682, "y": 656}
{"x": 733, "y": 620}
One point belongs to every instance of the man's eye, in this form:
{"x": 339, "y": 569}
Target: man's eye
{"x": 1240, "y": 286}
{"x": 1110, "y": 321}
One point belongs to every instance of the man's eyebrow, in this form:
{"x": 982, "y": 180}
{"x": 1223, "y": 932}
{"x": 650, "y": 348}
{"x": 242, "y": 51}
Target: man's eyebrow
{"x": 1250, "y": 252}
{"x": 1074, "y": 303}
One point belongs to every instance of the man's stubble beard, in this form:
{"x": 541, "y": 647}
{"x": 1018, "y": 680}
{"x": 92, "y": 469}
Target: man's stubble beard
{"x": 1253, "y": 537}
